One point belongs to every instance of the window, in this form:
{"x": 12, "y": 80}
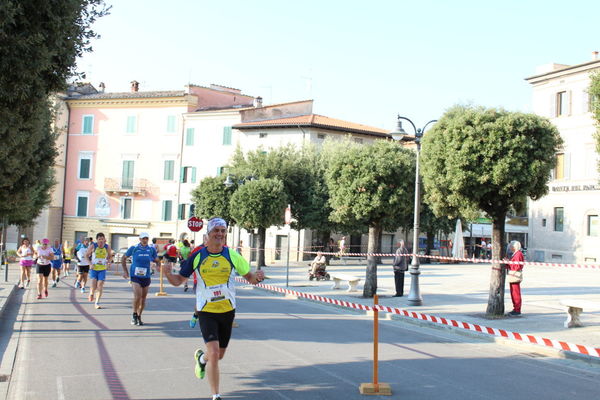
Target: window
{"x": 262, "y": 135}
{"x": 87, "y": 126}
{"x": 559, "y": 170}
{"x": 131, "y": 124}
{"x": 593, "y": 225}
{"x": 227, "y": 135}
{"x": 126, "y": 205}
{"x": 192, "y": 209}
{"x": 189, "y": 137}
{"x": 220, "y": 171}
{"x": 82, "y": 204}
{"x": 562, "y": 103}
{"x": 181, "y": 212}
{"x": 321, "y": 136}
{"x": 559, "y": 219}
{"x": 169, "y": 170}
{"x": 358, "y": 140}
{"x": 188, "y": 174}
{"x": 127, "y": 175}
{"x": 171, "y": 124}
{"x": 544, "y": 222}
{"x": 167, "y": 206}
{"x": 85, "y": 165}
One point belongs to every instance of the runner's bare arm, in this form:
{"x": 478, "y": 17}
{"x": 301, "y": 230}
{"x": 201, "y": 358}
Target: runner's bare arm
{"x": 255, "y": 277}
{"x": 124, "y": 265}
{"x": 88, "y": 254}
{"x": 174, "y": 280}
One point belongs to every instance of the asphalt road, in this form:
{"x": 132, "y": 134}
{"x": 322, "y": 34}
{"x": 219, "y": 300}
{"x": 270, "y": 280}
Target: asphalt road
{"x": 283, "y": 349}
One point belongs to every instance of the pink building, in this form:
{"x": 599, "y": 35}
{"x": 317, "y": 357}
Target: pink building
{"x": 123, "y": 169}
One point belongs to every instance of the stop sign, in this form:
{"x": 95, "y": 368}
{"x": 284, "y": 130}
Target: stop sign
{"x": 195, "y": 224}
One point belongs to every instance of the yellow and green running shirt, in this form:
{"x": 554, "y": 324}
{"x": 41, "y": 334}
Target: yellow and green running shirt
{"x": 99, "y": 257}
{"x": 215, "y": 291}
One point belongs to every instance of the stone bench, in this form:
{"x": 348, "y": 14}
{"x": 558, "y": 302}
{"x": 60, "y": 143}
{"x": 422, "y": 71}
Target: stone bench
{"x": 574, "y": 309}
{"x": 352, "y": 281}
{"x": 352, "y": 258}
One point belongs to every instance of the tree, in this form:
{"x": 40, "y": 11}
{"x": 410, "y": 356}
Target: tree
{"x": 211, "y": 198}
{"x": 39, "y": 45}
{"x": 259, "y": 204}
{"x": 594, "y": 92}
{"x": 487, "y": 159}
{"x": 371, "y": 186}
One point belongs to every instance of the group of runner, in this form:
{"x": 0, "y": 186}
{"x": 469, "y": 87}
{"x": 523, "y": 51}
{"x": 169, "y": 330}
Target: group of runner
{"x": 212, "y": 265}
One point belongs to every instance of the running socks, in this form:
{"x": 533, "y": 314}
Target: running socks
{"x": 194, "y": 320}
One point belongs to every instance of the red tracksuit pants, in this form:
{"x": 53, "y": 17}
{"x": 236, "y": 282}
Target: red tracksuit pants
{"x": 515, "y": 295}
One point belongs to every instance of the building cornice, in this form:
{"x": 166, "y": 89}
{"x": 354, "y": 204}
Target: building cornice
{"x": 185, "y": 101}
{"x": 572, "y": 70}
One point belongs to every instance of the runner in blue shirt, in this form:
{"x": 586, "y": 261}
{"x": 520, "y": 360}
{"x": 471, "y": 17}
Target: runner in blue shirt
{"x": 139, "y": 273}
{"x": 56, "y": 262}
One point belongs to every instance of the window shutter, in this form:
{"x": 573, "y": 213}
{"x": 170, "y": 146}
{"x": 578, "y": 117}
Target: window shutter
{"x": 84, "y": 168}
{"x": 193, "y": 174}
{"x": 171, "y": 124}
{"x": 227, "y": 135}
{"x": 567, "y": 166}
{"x": 182, "y": 175}
{"x": 553, "y": 110}
{"x": 585, "y": 101}
{"x": 189, "y": 139}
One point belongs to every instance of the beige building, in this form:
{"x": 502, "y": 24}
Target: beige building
{"x": 564, "y": 226}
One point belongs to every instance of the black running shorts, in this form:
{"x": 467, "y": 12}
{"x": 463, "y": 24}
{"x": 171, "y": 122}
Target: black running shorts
{"x": 84, "y": 269}
{"x": 43, "y": 269}
{"x": 216, "y": 326}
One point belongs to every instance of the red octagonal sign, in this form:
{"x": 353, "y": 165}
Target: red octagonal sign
{"x": 195, "y": 224}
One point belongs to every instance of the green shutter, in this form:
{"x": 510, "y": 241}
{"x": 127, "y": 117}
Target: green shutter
{"x": 131, "y": 124}
{"x": 227, "y": 135}
{"x": 189, "y": 137}
{"x": 84, "y": 168}
{"x": 127, "y": 176}
{"x": 193, "y": 174}
{"x": 82, "y": 205}
{"x": 171, "y": 124}
{"x": 182, "y": 176}
{"x": 169, "y": 170}
{"x": 88, "y": 125}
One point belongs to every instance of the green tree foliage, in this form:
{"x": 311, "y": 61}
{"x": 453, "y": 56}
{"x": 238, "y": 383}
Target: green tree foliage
{"x": 594, "y": 91}
{"x": 259, "y": 204}
{"x": 371, "y": 186}
{"x": 211, "y": 198}
{"x": 487, "y": 159}
{"x": 39, "y": 44}
{"x": 300, "y": 171}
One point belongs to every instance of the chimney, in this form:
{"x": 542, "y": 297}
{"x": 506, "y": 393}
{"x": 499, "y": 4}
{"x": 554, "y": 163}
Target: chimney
{"x": 102, "y": 86}
{"x": 594, "y": 55}
{"x": 258, "y": 102}
{"x": 135, "y": 86}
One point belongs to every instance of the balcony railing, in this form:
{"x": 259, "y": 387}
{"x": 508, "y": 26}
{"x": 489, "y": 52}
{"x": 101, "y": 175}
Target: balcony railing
{"x": 128, "y": 186}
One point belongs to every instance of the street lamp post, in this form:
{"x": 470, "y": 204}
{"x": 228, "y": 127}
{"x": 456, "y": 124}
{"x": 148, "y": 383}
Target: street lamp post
{"x": 414, "y": 297}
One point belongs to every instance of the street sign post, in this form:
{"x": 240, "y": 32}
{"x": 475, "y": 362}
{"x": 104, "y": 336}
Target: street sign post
{"x": 195, "y": 224}
{"x": 288, "y": 221}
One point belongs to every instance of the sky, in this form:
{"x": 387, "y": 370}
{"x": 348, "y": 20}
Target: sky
{"x": 361, "y": 61}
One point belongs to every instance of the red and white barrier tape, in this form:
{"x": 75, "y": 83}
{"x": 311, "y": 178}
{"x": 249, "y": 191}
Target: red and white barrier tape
{"x": 556, "y": 344}
{"x": 468, "y": 260}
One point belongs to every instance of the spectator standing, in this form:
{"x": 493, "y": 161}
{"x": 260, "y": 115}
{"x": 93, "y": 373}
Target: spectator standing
{"x": 515, "y": 287}
{"x": 400, "y": 267}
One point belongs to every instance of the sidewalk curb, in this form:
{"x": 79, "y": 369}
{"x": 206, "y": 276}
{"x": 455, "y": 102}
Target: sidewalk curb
{"x": 12, "y": 289}
{"x": 536, "y": 349}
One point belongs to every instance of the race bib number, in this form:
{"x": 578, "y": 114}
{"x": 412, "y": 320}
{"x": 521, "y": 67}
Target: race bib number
{"x": 217, "y": 293}
{"x": 100, "y": 261}
{"x": 139, "y": 271}
{"x": 56, "y": 257}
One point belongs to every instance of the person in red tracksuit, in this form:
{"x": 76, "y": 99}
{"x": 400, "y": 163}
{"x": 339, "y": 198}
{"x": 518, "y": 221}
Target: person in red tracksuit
{"x": 515, "y": 288}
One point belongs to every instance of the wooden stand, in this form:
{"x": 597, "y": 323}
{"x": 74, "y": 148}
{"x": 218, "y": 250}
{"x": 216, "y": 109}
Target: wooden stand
{"x": 161, "y": 287}
{"x": 375, "y": 388}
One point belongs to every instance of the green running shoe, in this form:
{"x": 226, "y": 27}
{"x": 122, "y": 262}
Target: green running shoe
{"x": 200, "y": 368}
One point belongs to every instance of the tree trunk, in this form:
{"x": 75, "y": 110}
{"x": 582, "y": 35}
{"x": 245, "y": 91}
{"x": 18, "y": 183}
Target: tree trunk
{"x": 374, "y": 246}
{"x": 260, "y": 259}
{"x": 495, "y": 307}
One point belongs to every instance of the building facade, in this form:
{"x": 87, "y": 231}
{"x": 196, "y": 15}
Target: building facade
{"x": 564, "y": 226}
